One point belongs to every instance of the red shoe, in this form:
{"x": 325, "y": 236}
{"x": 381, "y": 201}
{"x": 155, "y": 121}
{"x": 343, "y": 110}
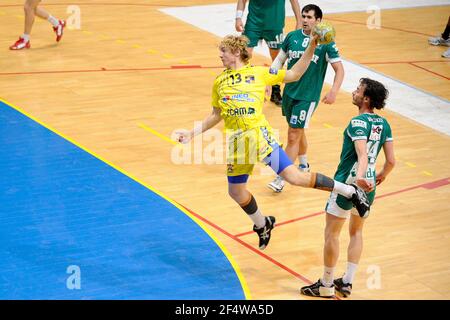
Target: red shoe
{"x": 59, "y": 29}
{"x": 20, "y": 44}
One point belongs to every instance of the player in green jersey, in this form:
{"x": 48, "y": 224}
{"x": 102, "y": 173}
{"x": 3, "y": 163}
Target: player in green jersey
{"x": 364, "y": 137}
{"x": 300, "y": 99}
{"x": 265, "y": 21}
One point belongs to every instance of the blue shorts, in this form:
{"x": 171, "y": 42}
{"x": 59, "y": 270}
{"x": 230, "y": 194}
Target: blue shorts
{"x": 278, "y": 160}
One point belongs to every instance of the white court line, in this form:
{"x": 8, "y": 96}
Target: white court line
{"x": 413, "y": 103}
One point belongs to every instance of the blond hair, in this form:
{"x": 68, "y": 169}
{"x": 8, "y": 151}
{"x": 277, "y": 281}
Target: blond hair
{"x": 235, "y": 43}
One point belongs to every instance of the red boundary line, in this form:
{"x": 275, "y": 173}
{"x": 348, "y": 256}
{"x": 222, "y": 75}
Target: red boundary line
{"x": 428, "y": 70}
{"x": 100, "y": 4}
{"x": 429, "y": 185}
{"x": 245, "y": 244}
{"x": 175, "y": 67}
{"x": 399, "y": 62}
{"x": 382, "y": 27}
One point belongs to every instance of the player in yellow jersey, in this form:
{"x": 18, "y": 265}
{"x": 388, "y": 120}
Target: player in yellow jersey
{"x": 238, "y": 99}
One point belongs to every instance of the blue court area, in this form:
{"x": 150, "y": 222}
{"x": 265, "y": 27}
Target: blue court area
{"x": 62, "y": 207}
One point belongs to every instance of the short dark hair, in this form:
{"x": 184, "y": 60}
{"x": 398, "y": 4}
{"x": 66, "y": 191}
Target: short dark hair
{"x": 317, "y": 10}
{"x": 375, "y": 91}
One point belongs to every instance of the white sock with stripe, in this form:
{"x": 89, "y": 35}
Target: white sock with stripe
{"x": 303, "y": 159}
{"x": 53, "y": 20}
{"x": 258, "y": 219}
{"x": 350, "y": 273}
{"x": 328, "y": 277}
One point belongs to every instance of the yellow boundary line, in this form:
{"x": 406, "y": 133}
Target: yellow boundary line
{"x": 159, "y": 193}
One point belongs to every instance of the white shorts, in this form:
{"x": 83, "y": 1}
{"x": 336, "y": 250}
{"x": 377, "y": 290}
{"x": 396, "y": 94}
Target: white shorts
{"x": 334, "y": 209}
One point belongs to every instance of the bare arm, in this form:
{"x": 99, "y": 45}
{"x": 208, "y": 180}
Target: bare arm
{"x": 300, "y": 67}
{"x": 297, "y": 12}
{"x": 239, "y": 12}
{"x": 361, "y": 151}
{"x": 338, "y": 68}
{"x": 389, "y": 164}
{"x": 210, "y": 121}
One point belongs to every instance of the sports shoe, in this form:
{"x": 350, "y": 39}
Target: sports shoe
{"x": 59, "y": 29}
{"x": 318, "y": 290}
{"x": 360, "y": 201}
{"x": 277, "y": 184}
{"x": 264, "y": 233}
{"x": 446, "y": 54}
{"x": 275, "y": 97}
{"x": 304, "y": 168}
{"x": 439, "y": 41}
{"x": 343, "y": 288}
{"x": 21, "y": 44}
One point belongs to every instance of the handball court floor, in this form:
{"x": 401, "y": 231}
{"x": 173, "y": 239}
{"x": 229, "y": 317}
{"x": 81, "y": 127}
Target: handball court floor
{"x": 88, "y": 177}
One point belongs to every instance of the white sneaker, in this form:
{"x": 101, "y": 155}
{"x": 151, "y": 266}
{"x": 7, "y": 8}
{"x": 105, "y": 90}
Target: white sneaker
{"x": 277, "y": 185}
{"x": 446, "y": 54}
{"x": 439, "y": 41}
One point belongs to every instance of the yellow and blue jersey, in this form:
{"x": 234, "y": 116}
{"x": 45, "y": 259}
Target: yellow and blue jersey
{"x": 239, "y": 94}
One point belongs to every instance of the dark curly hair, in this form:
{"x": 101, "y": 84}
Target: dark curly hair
{"x": 375, "y": 91}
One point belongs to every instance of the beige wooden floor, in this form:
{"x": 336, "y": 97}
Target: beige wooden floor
{"x": 103, "y": 83}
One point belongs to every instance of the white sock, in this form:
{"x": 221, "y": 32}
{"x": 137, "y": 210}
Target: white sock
{"x": 343, "y": 189}
{"x": 258, "y": 219}
{"x": 303, "y": 159}
{"x": 53, "y": 20}
{"x": 350, "y": 273}
{"x": 26, "y": 37}
{"x": 328, "y": 277}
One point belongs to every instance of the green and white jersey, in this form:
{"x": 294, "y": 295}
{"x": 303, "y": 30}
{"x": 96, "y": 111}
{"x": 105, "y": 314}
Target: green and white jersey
{"x": 367, "y": 126}
{"x": 265, "y": 15}
{"x": 309, "y": 87}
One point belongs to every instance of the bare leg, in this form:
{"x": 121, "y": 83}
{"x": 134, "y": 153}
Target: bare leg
{"x": 356, "y": 240}
{"x": 331, "y": 247}
{"x": 41, "y": 13}
{"x": 293, "y": 144}
{"x": 29, "y": 9}
{"x": 250, "y": 51}
{"x": 303, "y": 143}
{"x": 273, "y": 53}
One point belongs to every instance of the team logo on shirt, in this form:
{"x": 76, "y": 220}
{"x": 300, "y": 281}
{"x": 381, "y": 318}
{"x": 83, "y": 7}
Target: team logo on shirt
{"x": 243, "y": 97}
{"x": 359, "y": 123}
{"x": 237, "y": 112}
{"x": 273, "y": 71}
{"x": 375, "y": 133}
{"x": 250, "y": 79}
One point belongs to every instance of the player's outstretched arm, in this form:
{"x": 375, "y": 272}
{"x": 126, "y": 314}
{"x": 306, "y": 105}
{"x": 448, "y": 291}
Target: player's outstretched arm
{"x": 389, "y": 164}
{"x": 184, "y": 136}
{"x": 299, "y": 68}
